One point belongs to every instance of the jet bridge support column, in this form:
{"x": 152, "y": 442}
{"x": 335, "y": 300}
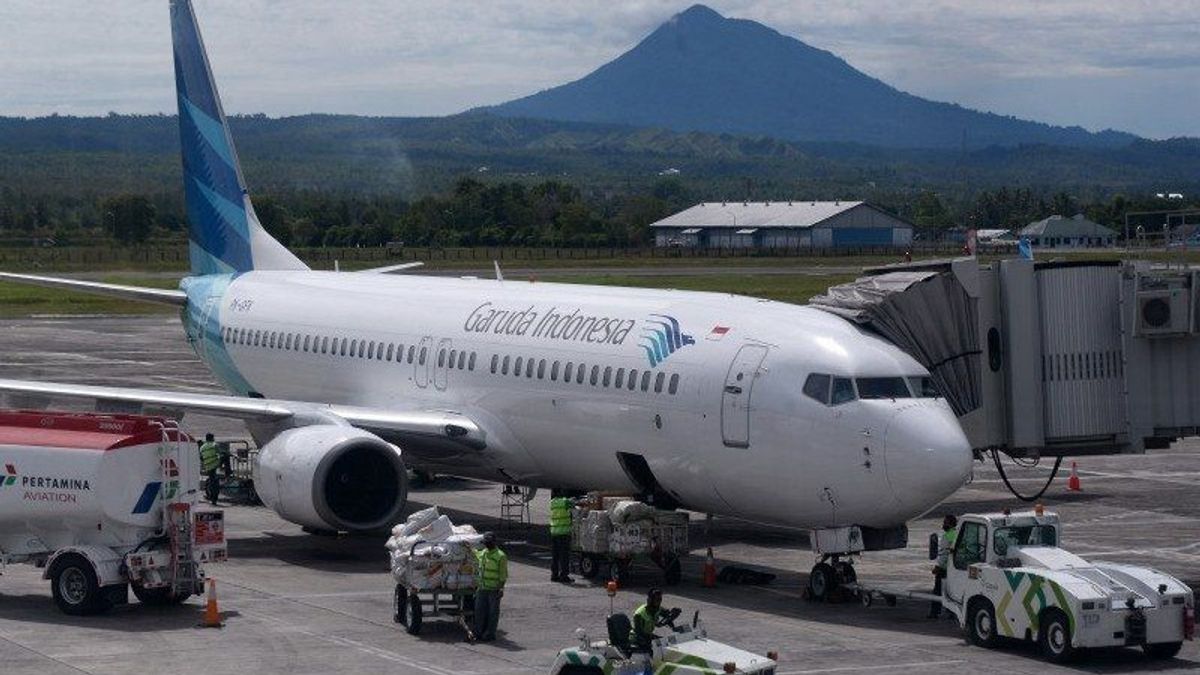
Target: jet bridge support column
{"x": 1023, "y": 347}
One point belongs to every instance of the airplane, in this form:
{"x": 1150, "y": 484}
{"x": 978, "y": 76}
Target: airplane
{"x": 768, "y": 412}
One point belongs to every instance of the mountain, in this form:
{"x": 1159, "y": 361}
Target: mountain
{"x": 700, "y": 71}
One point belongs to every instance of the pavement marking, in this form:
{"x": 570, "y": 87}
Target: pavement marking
{"x": 359, "y": 646}
{"x": 888, "y": 666}
{"x": 41, "y": 653}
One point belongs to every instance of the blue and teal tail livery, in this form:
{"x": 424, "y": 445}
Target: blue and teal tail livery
{"x": 224, "y": 234}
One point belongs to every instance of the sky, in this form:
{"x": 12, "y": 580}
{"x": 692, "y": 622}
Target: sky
{"x": 1132, "y": 65}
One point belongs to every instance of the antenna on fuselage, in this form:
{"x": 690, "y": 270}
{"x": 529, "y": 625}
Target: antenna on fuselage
{"x": 499, "y": 274}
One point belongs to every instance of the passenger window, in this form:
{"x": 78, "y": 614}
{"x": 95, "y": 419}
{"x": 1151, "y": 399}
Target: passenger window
{"x": 453, "y": 357}
{"x": 595, "y": 375}
{"x": 843, "y": 391}
{"x": 658, "y": 382}
{"x": 441, "y": 358}
{"x": 325, "y": 345}
{"x": 517, "y": 365}
{"x": 504, "y": 366}
{"x": 554, "y": 372}
{"x": 674, "y": 385}
{"x": 607, "y": 375}
{"x": 462, "y": 360}
{"x": 542, "y": 369}
{"x": 471, "y": 363}
{"x": 646, "y": 380}
{"x": 580, "y": 373}
{"x": 391, "y": 351}
{"x": 970, "y": 547}
{"x": 816, "y": 387}
{"x": 256, "y": 336}
{"x": 353, "y": 346}
{"x": 620, "y": 381}
{"x": 411, "y": 350}
{"x": 568, "y": 372}
{"x": 529, "y": 368}
{"x": 632, "y": 379}
{"x": 362, "y": 348}
{"x": 423, "y": 355}
{"x": 288, "y": 342}
{"x": 371, "y": 349}
{"x": 495, "y": 362}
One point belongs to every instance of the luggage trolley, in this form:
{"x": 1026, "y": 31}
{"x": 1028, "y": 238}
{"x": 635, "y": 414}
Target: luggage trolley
{"x": 661, "y": 543}
{"x": 412, "y": 603}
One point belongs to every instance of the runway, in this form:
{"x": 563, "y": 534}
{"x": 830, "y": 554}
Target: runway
{"x": 298, "y": 603}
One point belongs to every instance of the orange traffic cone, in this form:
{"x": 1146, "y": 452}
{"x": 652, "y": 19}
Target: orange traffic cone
{"x": 212, "y": 616}
{"x": 710, "y": 571}
{"x": 1073, "y": 482}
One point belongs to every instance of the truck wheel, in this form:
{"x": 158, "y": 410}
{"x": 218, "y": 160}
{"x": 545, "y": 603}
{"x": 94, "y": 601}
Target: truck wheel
{"x": 981, "y": 623}
{"x": 74, "y": 586}
{"x": 413, "y": 615}
{"x": 157, "y": 597}
{"x": 589, "y": 567}
{"x": 1162, "y": 650}
{"x": 821, "y": 582}
{"x": 1055, "y": 637}
{"x": 399, "y": 604}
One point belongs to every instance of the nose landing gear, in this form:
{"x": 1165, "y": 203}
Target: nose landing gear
{"x": 828, "y": 579}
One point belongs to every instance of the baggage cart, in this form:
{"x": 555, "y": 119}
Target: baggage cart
{"x": 661, "y": 541}
{"x": 414, "y": 602}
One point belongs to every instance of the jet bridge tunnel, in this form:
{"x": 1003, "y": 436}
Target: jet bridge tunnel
{"x": 1045, "y": 359}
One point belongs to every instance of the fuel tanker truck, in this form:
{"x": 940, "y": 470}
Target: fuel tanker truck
{"x": 105, "y": 503}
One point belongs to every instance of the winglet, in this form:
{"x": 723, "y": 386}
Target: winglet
{"x": 224, "y": 233}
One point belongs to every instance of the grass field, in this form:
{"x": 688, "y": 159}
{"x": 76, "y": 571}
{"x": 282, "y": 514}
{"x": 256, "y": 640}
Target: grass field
{"x": 18, "y": 300}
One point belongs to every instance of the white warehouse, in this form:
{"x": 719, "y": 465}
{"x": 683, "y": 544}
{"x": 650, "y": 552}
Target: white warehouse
{"x": 782, "y": 225}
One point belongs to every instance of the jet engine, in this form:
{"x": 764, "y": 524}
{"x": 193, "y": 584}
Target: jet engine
{"x": 332, "y": 477}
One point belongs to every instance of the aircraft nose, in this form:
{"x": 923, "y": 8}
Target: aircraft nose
{"x": 928, "y": 456}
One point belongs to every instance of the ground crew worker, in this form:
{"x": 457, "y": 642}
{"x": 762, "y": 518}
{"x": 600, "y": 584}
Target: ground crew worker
{"x": 645, "y": 620}
{"x": 945, "y": 549}
{"x": 492, "y": 571}
{"x": 560, "y": 537}
{"x": 210, "y": 461}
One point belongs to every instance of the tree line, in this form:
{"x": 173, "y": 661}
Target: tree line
{"x": 481, "y": 212}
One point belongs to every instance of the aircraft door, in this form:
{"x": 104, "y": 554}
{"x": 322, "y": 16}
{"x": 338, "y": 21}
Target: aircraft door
{"x": 736, "y": 396}
{"x": 422, "y": 362}
{"x": 441, "y": 367}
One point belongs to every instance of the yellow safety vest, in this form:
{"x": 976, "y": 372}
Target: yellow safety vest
{"x": 493, "y": 569}
{"x": 560, "y": 516}
{"x": 210, "y": 456}
{"x": 643, "y": 624}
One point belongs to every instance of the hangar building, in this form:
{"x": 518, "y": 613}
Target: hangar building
{"x": 1074, "y": 232}
{"x": 782, "y": 225}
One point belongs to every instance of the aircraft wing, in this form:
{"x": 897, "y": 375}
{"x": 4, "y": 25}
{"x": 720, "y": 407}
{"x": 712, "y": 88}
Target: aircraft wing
{"x": 434, "y": 433}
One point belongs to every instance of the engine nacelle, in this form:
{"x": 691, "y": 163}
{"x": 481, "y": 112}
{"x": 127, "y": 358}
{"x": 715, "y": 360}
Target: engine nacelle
{"x": 332, "y": 477}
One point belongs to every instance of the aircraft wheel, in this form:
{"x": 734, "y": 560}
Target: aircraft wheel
{"x": 822, "y": 581}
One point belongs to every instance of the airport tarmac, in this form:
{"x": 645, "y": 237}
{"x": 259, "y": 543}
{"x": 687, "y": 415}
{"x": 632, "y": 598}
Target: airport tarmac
{"x": 297, "y": 603}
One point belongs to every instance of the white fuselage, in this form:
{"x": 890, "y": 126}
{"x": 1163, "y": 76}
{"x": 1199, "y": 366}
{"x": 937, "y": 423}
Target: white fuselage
{"x": 720, "y": 420}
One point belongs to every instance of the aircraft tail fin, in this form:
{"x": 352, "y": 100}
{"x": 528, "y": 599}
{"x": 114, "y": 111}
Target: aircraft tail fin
{"x": 224, "y": 234}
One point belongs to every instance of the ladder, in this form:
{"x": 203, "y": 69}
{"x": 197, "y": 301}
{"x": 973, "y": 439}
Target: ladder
{"x": 177, "y": 509}
{"x": 514, "y": 507}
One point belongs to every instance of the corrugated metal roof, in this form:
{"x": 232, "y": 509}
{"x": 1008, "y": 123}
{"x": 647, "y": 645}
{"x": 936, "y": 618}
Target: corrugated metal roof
{"x": 1058, "y": 226}
{"x": 756, "y": 214}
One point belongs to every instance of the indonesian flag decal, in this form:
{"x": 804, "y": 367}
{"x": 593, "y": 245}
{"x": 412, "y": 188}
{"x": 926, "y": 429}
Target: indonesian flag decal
{"x": 718, "y": 332}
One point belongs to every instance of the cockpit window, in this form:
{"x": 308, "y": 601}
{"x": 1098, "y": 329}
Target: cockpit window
{"x": 882, "y": 387}
{"x": 923, "y": 387}
{"x": 843, "y": 391}
{"x": 817, "y": 387}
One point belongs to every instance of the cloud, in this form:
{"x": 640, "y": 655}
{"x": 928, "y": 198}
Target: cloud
{"x": 411, "y": 57}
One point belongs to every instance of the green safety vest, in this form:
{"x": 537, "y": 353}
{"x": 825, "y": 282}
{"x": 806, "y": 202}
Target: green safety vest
{"x": 493, "y": 569}
{"x": 210, "y": 457}
{"x": 643, "y": 624}
{"x": 560, "y": 516}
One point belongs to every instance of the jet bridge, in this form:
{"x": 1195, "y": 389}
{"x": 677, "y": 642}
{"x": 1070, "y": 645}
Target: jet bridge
{"x": 1045, "y": 359}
